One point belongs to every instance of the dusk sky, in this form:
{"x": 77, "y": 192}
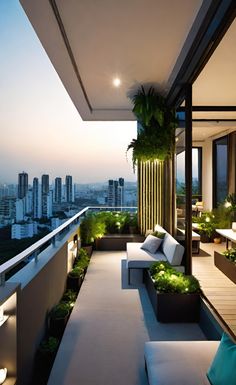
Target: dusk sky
{"x": 41, "y": 130}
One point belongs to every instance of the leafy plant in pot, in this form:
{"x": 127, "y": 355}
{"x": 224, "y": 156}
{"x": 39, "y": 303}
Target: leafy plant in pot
{"x": 175, "y": 296}
{"x": 44, "y": 359}
{"x": 69, "y": 297}
{"x": 156, "y": 138}
{"x": 58, "y": 318}
{"x": 91, "y": 228}
{"x": 75, "y": 278}
{"x": 206, "y": 227}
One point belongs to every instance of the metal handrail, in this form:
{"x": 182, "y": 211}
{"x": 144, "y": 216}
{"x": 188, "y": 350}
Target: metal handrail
{"x": 11, "y": 263}
{"x": 5, "y": 267}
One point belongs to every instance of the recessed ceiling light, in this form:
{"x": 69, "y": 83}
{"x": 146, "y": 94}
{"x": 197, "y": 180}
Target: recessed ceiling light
{"x": 116, "y": 82}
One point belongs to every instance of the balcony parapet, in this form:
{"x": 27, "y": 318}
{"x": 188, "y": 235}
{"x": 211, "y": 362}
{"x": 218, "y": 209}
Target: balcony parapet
{"x": 51, "y": 238}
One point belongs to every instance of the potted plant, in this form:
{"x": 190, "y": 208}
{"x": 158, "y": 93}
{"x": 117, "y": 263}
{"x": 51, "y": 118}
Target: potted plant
{"x": 44, "y": 359}
{"x": 91, "y": 228}
{"x": 75, "y": 278}
{"x": 156, "y": 137}
{"x": 226, "y": 262}
{"x": 69, "y": 297}
{"x": 58, "y": 318}
{"x": 206, "y": 227}
{"x": 175, "y": 297}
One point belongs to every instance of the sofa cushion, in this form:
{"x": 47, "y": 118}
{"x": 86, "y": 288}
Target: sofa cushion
{"x": 139, "y": 258}
{"x": 179, "y": 362}
{"x": 159, "y": 234}
{"x": 151, "y": 243}
{"x": 222, "y": 369}
{"x": 172, "y": 250}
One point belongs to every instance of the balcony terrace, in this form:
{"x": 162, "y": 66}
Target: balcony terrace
{"x": 104, "y": 338}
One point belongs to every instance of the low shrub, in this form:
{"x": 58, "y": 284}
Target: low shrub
{"x": 167, "y": 280}
{"x": 230, "y": 254}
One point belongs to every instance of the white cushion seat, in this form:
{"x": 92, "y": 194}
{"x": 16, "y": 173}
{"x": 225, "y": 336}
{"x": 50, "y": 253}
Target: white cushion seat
{"x": 179, "y": 362}
{"x": 169, "y": 250}
{"x": 141, "y": 259}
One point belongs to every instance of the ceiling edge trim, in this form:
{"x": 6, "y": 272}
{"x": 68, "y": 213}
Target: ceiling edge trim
{"x": 69, "y": 50}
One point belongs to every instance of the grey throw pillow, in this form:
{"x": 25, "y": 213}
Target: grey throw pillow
{"x": 151, "y": 243}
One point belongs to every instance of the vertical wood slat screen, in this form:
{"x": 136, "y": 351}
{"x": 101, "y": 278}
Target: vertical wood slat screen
{"x": 150, "y": 194}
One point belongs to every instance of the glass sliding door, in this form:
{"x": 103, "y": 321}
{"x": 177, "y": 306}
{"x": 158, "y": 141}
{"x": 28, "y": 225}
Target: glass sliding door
{"x": 197, "y": 174}
{"x": 220, "y": 170}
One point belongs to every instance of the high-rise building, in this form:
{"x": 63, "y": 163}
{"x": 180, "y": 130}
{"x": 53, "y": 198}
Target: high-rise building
{"x": 58, "y": 190}
{"x": 69, "y": 189}
{"x": 45, "y": 195}
{"x": 45, "y": 184}
{"x": 37, "y": 199}
{"x": 22, "y": 184}
{"x": 115, "y": 193}
{"x": 120, "y": 192}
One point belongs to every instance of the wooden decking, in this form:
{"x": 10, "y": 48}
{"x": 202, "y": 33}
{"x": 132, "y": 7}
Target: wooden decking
{"x": 217, "y": 288}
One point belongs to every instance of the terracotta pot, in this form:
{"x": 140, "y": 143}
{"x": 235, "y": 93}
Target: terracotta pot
{"x": 217, "y": 240}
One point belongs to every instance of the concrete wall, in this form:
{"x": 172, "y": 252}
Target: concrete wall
{"x": 42, "y": 286}
{"x": 8, "y": 340}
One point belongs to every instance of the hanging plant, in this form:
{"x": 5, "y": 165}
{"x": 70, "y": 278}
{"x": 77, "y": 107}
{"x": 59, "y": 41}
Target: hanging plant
{"x": 156, "y": 139}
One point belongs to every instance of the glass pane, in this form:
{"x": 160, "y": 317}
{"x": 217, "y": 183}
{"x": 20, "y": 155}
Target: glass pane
{"x": 180, "y": 180}
{"x": 221, "y": 170}
{"x": 196, "y": 174}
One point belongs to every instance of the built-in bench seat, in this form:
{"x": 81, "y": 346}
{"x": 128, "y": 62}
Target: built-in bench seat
{"x": 170, "y": 251}
{"x": 179, "y": 362}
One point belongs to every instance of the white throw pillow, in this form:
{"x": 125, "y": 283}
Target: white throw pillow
{"x": 151, "y": 243}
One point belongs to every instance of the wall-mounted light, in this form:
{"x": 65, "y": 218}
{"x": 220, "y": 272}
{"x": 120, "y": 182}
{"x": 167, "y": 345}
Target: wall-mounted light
{"x": 3, "y": 317}
{"x": 3, "y": 375}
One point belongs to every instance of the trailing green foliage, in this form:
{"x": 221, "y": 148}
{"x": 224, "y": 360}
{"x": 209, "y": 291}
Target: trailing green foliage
{"x": 156, "y": 139}
{"x": 230, "y": 254}
{"x": 167, "y": 280}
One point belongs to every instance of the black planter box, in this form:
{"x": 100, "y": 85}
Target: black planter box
{"x": 173, "y": 307}
{"x": 114, "y": 242}
{"x": 227, "y": 267}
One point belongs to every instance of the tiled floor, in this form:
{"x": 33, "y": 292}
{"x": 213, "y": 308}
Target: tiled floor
{"x": 104, "y": 340}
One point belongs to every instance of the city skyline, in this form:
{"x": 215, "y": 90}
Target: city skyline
{"x": 41, "y": 129}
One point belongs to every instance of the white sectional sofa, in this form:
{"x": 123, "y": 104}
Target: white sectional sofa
{"x": 170, "y": 251}
{"x": 179, "y": 362}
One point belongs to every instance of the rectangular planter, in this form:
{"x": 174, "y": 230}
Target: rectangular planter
{"x": 227, "y": 267}
{"x": 173, "y": 307}
{"x": 117, "y": 241}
